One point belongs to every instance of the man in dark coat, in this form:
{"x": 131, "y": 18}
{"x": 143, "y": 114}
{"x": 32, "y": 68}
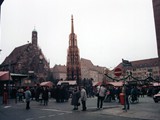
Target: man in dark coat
{"x": 45, "y": 95}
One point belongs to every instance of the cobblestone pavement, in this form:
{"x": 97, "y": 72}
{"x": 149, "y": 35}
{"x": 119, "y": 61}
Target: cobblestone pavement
{"x": 145, "y": 109}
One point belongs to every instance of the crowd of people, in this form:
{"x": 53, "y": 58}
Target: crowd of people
{"x": 79, "y": 94}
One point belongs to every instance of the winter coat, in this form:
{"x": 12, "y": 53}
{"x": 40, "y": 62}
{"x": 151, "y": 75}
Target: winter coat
{"x": 45, "y": 94}
{"x": 75, "y": 98}
{"x": 83, "y": 95}
{"x": 28, "y": 95}
{"x": 102, "y": 91}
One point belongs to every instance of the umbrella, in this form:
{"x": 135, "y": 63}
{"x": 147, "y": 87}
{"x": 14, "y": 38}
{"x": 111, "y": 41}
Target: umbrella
{"x": 47, "y": 84}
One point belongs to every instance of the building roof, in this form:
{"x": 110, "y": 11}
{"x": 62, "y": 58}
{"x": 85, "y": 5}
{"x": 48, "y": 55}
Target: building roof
{"x": 86, "y": 63}
{"x": 152, "y": 62}
{"x": 15, "y": 54}
{"x": 99, "y": 69}
{"x": 59, "y": 69}
{"x": 145, "y": 63}
{"x": 90, "y": 66}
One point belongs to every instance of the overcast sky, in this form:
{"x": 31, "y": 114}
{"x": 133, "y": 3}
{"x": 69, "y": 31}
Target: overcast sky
{"x": 107, "y": 30}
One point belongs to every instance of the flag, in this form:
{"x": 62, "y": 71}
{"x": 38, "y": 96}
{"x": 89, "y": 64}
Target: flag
{"x": 126, "y": 63}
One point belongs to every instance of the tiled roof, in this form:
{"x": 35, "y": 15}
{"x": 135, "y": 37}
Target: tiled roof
{"x": 143, "y": 63}
{"x": 87, "y": 63}
{"x": 59, "y": 68}
{"x": 99, "y": 69}
{"x": 15, "y": 54}
{"x": 84, "y": 62}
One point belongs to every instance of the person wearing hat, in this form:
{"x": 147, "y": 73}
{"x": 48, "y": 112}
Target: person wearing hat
{"x": 28, "y": 97}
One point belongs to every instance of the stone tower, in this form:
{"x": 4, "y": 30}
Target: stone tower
{"x": 73, "y": 58}
{"x": 34, "y": 37}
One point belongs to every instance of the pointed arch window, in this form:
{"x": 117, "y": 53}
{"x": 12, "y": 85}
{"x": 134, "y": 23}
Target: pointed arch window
{"x": 75, "y": 42}
{"x": 70, "y": 43}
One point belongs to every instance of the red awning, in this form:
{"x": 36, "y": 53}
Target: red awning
{"x": 96, "y": 83}
{"x": 48, "y": 84}
{"x": 5, "y": 75}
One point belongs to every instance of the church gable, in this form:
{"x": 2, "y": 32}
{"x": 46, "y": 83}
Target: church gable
{"x": 26, "y": 58}
{"x": 15, "y": 55}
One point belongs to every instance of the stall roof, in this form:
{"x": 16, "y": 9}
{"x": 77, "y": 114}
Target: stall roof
{"x": 70, "y": 82}
{"x": 47, "y": 83}
{"x": 116, "y": 84}
{"x": 5, "y": 75}
{"x": 21, "y": 75}
{"x": 156, "y": 84}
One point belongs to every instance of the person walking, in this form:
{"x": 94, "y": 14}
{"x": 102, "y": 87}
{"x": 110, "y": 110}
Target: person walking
{"x": 126, "y": 91}
{"x": 45, "y": 95}
{"x": 83, "y": 98}
{"x": 101, "y": 95}
{"x": 28, "y": 97}
{"x": 75, "y": 98}
{"x": 20, "y": 94}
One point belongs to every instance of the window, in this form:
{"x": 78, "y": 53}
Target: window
{"x": 149, "y": 70}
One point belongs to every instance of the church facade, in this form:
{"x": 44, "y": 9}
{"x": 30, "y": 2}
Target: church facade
{"x": 28, "y": 59}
